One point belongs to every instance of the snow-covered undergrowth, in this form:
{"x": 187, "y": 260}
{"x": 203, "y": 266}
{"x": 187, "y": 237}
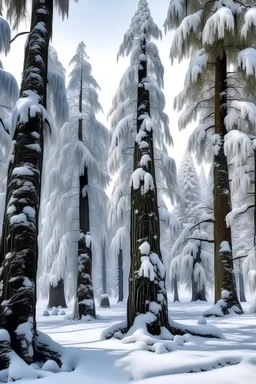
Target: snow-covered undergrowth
{"x": 88, "y": 358}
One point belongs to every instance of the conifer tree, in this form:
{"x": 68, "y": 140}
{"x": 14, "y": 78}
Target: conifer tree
{"x": 19, "y": 248}
{"x": 91, "y": 149}
{"x": 201, "y": 36}
{"x": 140, "y": 130}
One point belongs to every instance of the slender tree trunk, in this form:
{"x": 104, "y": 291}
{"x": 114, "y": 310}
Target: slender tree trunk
{"x": 120, "y": 277}
{"x": 57, "y": 296}
{"x": 241, "y": 287}
{"x": 197, "y": 293}
{"x": 19, "y": 251}
{"x": 85, "y": 297}
{"x": 104, "y": 269}
{"x": 175, "y": 289}
{"x": 223, "y": 263}
{"x": 143, "y": 292}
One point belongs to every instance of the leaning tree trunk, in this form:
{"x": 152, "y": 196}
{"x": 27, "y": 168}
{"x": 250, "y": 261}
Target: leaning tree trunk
{"x": 85, "y": 297}
{"x": 147, "y": 276}
{"x": 120, "y": 277}
{"x": 223, "y": 262}
{"x": 57, "y": 295}
{"x": 19, "y": 250}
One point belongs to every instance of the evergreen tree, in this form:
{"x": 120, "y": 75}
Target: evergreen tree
{"x": 91, "y": 148}
{"x": 201, "y": 34}
{"x": 51, "y": 232}
{"x": 20, "y": 255}
{"x": 138, "y": 116}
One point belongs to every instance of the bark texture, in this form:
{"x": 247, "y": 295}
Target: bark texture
{"x": 145, "y": 224}
{"x": 86, "y": 305}
{"x": 20, "y": 230}
{"x": 175, "y": 289}
{"x": 120, "y": 277}
{"x": 223, "y": 262}
{"x": 57, "y": 296}
{"x": 198, "y": 293}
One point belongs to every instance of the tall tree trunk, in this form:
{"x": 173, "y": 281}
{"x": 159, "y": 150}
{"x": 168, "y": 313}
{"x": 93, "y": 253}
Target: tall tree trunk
{"x": 223, "y": 262}
{"x": 104, "y": 270}
{"x": 85, "y": 298}
{"x": 120, "y": 277}
{"x": 57, "y": 296}
{"x": 145, "y": 292}
{"x": 19, "y": 250}
{"x": 175, "y": 289}
{"x": 241, "y": 287}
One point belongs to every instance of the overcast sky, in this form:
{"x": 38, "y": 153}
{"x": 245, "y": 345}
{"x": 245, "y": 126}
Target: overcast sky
{"x": 101, "y": 24}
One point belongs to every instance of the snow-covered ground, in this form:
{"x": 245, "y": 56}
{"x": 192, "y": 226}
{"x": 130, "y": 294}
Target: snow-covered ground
{"x": 231, "y": 360}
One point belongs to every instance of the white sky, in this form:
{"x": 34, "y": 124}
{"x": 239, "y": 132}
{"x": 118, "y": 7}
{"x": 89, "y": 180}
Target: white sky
{"x": 101, "y": 24}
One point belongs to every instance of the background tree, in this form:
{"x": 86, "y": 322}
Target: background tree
{"x": 207, "y": 41}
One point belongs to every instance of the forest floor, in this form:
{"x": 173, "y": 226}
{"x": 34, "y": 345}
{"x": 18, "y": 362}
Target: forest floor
{"x": 230, "y": 360}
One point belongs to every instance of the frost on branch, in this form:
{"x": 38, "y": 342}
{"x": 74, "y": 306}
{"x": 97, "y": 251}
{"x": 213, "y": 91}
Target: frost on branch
{"x": 188, "y": 26}
{"x": 215, "y": 27}
{"x": 5, "y": 36}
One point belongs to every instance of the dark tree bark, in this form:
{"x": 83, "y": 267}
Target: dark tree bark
{"x": 85, "y": 297}
{"x": 104, "y": 269}
{"x": 57, "y": 296}
{"x": 20, "y": 230}
{"x": 197, "y": 293}
{"x": 120, "y": 277}
{"x": 175, "y": 289}
{"x": 223, "y": 261}
{"x": 145, "y": 224}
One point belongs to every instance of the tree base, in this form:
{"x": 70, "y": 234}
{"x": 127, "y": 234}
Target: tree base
{"x": 104, "y": 301}
{"x": 225, "y": 306}
{"x": 45, "y": 350}
{"x": 142, "y": 326}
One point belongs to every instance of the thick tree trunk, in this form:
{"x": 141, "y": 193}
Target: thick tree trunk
{"x": 120, "y": 277}
{"x": 175, "y": 289}
{"x": 19, "y": 238}
{"x": 85, "y": 297}
{"x": 223, "y": 263}
{"x": 145, "y": 293}
{"x": 57, "y": 296}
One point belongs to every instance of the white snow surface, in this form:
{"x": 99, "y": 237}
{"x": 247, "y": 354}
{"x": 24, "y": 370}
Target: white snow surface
{"x": 193, "y": 360}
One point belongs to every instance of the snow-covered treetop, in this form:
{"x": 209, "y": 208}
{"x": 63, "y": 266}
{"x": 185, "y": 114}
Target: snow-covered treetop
{"x": 188, "y": 183}
{"x": 142, "y": 28}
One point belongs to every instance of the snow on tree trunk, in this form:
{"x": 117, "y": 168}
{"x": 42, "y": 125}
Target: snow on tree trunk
{"x": 120, "y": 277}
{"x": 147, "y": 291}
{"x": 19, "y": 238}
{"x": 223, "y": 261}
{"x": 86, "y": 305}
{"x": 57, "y": 295}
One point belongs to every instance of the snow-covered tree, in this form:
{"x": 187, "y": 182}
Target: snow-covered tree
{"x": 207, "y": 33}
{"x": 91, "y": 149}
{"x": 138, "y": 153}
{"x": 52, "y": 229}
{"x": 19, "y": 237}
